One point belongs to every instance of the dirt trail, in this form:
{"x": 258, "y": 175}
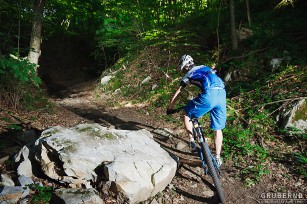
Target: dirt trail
{"x": 190, "y": 185}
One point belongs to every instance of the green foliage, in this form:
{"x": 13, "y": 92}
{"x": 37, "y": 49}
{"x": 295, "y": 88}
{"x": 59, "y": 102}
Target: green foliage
{"x": 128, "y": 27}
{"x": 244, "y": 145}
{"x": 250, "y": 137}
{"x": 117, "y": 84}
{"x": 15, "y": 127}
{"x": 21, "y": 70}
{"x": 114, "y": 34}
{"x": 170, "y": 39}
{"x": 19, "y": 85}
{"x": 11, "y": 13}
{"x": 301, "y": 163}
{"x": 42, "y": 194}
{"x": 74, "y": 17}
{"x": 295, "y": 152}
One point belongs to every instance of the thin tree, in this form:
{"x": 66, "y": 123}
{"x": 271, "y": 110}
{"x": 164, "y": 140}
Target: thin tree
{"x": 248, "y": 13}
{"x": 217, "y": 32}
{"x": 234, "y": 39}
{"x": 36, "y": 39}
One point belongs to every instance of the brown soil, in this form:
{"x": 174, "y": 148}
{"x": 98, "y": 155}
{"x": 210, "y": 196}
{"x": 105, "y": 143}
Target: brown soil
{"x": 79, "y": 104}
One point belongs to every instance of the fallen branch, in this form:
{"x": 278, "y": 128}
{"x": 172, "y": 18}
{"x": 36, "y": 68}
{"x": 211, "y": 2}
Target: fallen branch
{"x": 267, "y": 86}
{"x": 283, "y": 105}
{"x": 243, "y": 56}
{"x": 26, "y": 123}
{"x": 274, "y": 102}
{"x": 279, "y": 101}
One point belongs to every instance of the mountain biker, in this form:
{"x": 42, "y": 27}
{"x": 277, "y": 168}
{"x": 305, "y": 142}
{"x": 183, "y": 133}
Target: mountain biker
{"x": 211, "y": 99}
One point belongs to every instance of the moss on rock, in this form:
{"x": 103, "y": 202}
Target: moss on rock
{"x": 96, "y": 132}
{"x": 301, "y": 113}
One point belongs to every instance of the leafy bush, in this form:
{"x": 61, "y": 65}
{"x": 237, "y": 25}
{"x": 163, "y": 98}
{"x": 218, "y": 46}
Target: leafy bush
{"x": 20, "y": 69}
{"x": 19, "y": 84}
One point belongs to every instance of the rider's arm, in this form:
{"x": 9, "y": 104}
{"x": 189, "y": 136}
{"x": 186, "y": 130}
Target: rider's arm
{"x": 174, "y": 98}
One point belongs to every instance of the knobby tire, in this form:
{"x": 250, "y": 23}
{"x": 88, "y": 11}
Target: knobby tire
{"x": 212, "y": 170}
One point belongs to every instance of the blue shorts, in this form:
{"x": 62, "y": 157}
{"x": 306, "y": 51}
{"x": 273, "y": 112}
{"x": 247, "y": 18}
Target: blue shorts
{"x": 214, "y": 101}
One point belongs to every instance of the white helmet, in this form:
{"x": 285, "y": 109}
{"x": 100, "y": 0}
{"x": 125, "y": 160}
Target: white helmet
{"x": 186, "y": 60}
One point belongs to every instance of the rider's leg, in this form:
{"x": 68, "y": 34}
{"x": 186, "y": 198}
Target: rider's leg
{"x": 188, "y": 126}
{"x": 218, "y": 140}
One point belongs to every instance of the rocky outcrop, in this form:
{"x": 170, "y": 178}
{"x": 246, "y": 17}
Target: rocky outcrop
{"x": 11, "y": 193}
{"x": 294, "y": 116}
{"x": 86, "y": 154}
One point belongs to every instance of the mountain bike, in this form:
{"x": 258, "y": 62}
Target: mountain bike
{"x": 208, "y": 161}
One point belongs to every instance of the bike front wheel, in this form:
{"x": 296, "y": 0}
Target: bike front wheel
{"x": 212, "y": 171}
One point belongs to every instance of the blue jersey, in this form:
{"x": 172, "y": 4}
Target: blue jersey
{"x": 203, "y": 77}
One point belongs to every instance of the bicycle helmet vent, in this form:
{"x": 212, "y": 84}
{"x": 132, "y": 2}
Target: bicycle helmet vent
{"x": 186, "y": 60}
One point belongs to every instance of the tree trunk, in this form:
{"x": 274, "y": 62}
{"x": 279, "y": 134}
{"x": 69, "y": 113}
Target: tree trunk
{"x": 248, "y": 13}
{"x": 35, "y": 42}
{"x": 234, "y": 39}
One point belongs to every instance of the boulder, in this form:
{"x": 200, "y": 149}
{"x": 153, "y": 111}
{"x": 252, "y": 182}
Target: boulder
{"x": 76, "y": 196}
{"x": 104, "y": 80}
{"x": 88, "y": 153}
{"x": 107, "y": 76}
{"x": 294, "y": 116}
{"x": 11, "y": 194}
{"x": 6, "y": 180}
{"x": 244, "y": 33}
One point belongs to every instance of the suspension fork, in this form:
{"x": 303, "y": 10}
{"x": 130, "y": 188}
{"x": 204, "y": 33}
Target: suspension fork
{"x": 198, "y": 136}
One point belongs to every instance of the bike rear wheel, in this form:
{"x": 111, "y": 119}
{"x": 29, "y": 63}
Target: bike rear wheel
{"x": 213, "y": 172}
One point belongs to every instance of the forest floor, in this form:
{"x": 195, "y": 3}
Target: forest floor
{"x": 79, "y": 104}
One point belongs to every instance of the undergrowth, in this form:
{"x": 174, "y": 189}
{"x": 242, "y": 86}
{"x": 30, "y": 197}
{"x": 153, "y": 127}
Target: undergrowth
{"x": 19, "y": 86}
{"x": 42, "y": 194}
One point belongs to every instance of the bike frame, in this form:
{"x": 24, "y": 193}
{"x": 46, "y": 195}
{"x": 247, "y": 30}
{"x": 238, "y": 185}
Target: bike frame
{"x": 208, "y": 161}
{"x": 199, "y": 137}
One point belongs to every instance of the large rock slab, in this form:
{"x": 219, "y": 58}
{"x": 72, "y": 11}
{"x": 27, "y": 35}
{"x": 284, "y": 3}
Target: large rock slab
{"x": 88, "y": 153}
